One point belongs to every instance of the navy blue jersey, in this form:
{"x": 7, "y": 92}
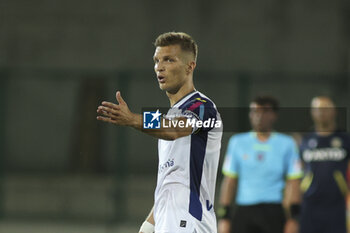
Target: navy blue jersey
{"x": 326, "y": 162}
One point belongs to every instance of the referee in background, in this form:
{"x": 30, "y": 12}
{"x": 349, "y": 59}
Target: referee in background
{"x": 258, "y": 166}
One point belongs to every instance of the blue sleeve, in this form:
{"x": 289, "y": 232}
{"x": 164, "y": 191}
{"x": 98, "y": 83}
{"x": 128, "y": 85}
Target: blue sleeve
{"x": 230, "y": 166}
{"x": 201, "y": 110}
{"x": 294, "y": 166}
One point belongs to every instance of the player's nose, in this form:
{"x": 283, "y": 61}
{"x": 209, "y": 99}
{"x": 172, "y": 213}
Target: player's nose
{"x": 159, "y": 67}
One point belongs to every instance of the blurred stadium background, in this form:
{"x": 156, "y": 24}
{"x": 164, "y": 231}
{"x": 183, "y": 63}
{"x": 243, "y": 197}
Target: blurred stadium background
{"x": 61, "y": 170}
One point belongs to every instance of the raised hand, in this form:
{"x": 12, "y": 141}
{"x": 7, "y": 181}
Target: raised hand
{"x": 118, "y": 114}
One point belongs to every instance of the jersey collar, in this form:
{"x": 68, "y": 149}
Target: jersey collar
{"x": 184, "y": 99}
{"x": 254, "y": 135}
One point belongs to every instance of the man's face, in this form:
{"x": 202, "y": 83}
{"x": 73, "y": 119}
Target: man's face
{"x": 262, "y": 117}
{"x": 323, "y": 110}
{"x": 171, "y": 65}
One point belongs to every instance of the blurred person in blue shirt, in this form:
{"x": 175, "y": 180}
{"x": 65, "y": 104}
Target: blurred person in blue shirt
{"x": 258, "y": 166}
{"x": 325, "y": 153}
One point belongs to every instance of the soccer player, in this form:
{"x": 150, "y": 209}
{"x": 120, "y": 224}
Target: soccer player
{"x": 325, "y": 154}
{"x": 256, "y": 168}
{"x": 188, "y": 153}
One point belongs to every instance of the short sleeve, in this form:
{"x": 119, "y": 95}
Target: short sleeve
{"x": 230, "y": 166}
{"x": 294, "y": 164}
{"x": 203, "y": 110}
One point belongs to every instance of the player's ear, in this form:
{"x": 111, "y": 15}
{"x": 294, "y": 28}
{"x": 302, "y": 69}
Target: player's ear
{"x": 190, "y": 67}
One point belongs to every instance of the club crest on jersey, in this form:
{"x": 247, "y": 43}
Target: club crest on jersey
{"x": 336, "y": 142}
{"x": 312, "y": 143}
{"x": 260, "y": 157}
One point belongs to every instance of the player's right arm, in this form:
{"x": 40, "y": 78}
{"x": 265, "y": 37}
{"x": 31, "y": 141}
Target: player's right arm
{"x": 148, "y": 225}
{"x": 120, "y": 114}
{"x": 227, "y": 194}
{"x": 169, "y": 133}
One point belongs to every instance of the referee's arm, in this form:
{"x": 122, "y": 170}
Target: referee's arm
{"x": 292, "y": 192}
{"x": 292, "y": 200}
{"x": 227, "y": 195}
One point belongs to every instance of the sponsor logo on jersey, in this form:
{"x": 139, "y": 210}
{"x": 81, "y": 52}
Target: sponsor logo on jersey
{"x": 183, "y": 223}
{"x": 209, "y": 205}
{"x": 167, "y": 164}
{"x": 324, "y": 154}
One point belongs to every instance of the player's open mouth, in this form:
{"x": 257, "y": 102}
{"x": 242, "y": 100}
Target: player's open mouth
{"x": 161, "y": 79}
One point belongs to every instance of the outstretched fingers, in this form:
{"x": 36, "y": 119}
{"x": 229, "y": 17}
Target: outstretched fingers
{"x": 110, "y": 105}
{"x": 118, "y": 114}
{"x": 106, "y": 119}
{"x": 107, "y": 111}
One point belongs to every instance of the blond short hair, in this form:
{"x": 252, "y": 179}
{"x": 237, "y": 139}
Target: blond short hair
{"x": 185, "y": 41}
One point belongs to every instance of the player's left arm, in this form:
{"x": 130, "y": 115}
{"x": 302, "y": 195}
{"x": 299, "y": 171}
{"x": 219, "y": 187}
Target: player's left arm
{"x": 120, "y": 114}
